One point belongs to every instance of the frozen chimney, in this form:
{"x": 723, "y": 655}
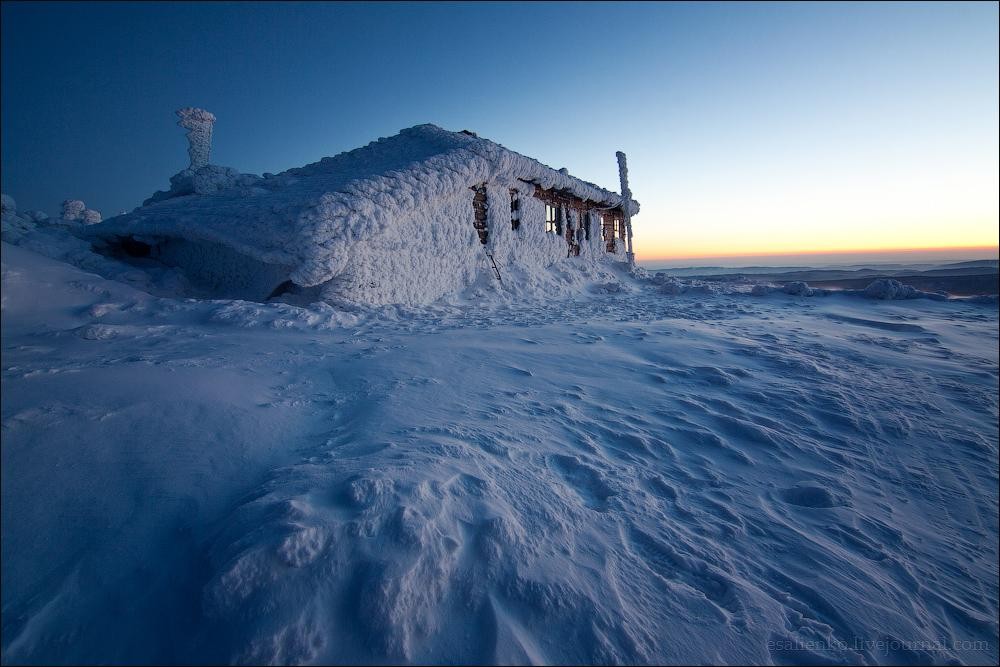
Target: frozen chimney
{"x": 198, "y": 123}
{"x": 626, "y": 205}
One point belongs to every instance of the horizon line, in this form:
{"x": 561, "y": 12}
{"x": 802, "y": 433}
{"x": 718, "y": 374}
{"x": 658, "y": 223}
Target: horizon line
{"x": 798, "y": 253}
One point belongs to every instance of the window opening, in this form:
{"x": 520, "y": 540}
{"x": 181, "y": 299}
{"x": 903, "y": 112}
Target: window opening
{"x": 480, "y": 207}
{"x": 550, "y": 219}
{"x": 515, "y": 210}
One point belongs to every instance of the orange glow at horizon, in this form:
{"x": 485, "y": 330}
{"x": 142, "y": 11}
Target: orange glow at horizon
{"x": 671, "y": 256}
{"x": 789, "y": 198}
{"x": 901, "y": 213}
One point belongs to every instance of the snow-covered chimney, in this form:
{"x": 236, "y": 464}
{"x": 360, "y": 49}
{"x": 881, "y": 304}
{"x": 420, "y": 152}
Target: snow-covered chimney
{"x": 626, "y": 205}
{"x": 199, "y": 124}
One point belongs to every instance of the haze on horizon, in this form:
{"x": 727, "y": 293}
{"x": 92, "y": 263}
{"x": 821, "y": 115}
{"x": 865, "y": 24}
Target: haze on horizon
{"x": 751, "y": 129}
{"x": 842, "y": 258}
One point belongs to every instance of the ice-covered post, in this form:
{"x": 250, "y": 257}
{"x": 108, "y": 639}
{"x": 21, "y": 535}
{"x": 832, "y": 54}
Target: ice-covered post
{"x": 626, "y": 206}
{"x": 198, "y": 123}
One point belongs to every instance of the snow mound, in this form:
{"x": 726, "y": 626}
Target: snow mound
{"x": 887, "y": 288}
{"x": 15, "y": 225}
{"x": 207, "y": 180}
{"x": 668, "y": 284}
{"x": 612, "y": 287}
{"x": 672, "y": 286}
{"x": 798, "y": 288}
{"x": 794, "y": 288}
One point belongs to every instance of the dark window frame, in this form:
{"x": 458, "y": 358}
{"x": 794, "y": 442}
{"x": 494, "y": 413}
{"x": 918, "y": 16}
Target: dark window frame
{"x": 480, "y": 207}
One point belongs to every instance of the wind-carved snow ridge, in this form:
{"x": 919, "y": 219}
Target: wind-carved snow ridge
{"x": 558, "y": 521}
{"x": 881, "y": 289}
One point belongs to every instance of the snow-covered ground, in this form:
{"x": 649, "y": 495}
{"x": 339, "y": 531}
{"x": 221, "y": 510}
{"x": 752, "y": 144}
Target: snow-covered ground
{"x": 623, "y": 475}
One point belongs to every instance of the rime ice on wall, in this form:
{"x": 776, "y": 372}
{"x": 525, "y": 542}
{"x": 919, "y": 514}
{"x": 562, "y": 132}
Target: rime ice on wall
{"x": 529, "y": 244}
{"x": 199, "y": 124}
{"x": 597, "y": 243}
{"x": 431, "y": 251}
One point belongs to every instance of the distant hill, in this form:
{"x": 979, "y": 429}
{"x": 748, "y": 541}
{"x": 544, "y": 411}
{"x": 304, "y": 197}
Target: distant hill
{"x": 966, "y": 278}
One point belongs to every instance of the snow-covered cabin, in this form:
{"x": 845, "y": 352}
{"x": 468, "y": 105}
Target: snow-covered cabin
{"x": 404, "y": 219}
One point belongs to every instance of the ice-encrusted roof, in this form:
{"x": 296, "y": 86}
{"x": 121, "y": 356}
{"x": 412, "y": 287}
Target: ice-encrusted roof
{"x": 307, "y": 217}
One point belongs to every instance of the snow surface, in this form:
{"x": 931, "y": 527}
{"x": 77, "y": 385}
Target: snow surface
{"x": 204, "y": 180}
{"x": 602, "y": 467}
{"x": 389, "y": 223}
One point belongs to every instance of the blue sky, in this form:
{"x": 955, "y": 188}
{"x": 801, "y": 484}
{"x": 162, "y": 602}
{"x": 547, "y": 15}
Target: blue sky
{"x": 749, "y": 127}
